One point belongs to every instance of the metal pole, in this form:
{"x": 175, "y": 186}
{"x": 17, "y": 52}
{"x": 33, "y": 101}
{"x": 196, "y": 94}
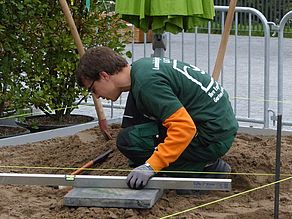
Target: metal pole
{"x": 159, "y": 42}
{"x": 281, "y": 61}
{"x": 278, "y": 162}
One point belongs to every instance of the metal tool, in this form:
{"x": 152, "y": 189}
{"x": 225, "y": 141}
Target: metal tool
{"x": 90, "y": 181}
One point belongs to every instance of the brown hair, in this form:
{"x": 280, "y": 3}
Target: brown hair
{"x": 96, "y": 60}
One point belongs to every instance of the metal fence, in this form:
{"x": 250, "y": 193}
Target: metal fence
{"x": 254, "y": 72}
{"x": 273, "y": 10}
{"x": 283, "y": 101}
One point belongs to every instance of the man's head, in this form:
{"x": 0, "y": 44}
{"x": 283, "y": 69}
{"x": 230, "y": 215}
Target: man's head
{"x": 96, "y": 67}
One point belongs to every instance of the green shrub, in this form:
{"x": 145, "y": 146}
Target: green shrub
{"x": 45, "y": 50}
{"x": 12, "y": 56}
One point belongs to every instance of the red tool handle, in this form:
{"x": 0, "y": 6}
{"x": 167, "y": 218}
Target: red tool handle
{"x": 98, "y": 159}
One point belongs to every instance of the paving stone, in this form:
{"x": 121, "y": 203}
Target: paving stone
{"x": 112, "y": 197}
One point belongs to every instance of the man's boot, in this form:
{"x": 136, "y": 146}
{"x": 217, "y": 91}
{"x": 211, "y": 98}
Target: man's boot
{"x": 218, "y": 166}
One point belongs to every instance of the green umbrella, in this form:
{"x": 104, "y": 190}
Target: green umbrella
{"x": 166, "y": 15}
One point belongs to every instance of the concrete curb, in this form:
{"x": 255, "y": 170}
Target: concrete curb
{"x": 45, "y": 135}
{"x": 259, "y": 131}
{"x": 62, "y": 132}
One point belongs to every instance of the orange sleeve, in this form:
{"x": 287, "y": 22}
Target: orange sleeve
{"x": 180, "y": 132}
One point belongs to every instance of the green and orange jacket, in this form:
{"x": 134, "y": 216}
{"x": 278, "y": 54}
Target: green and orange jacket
{"x": 186, "y": 100}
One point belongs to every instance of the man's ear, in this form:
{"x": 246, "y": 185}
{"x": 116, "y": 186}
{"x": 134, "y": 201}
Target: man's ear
{"x": 104, "y": 75}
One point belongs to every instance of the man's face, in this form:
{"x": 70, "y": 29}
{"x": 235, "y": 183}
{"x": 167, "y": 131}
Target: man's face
{"x": 104, "y": 88}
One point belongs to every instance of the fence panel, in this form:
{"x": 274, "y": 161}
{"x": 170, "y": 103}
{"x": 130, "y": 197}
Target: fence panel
{"x": 250, "y": 72}
{"x": 284, "y": 83}
{"x": 246, "y": 68}
{"x": 273, "y": 10}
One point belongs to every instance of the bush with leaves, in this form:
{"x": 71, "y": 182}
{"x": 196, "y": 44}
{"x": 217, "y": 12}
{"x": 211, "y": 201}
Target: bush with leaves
{"x": 50, "y": 56}
{"x": 12, "y": 56}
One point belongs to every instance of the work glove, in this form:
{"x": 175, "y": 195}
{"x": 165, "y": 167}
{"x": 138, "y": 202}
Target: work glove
{"x": 139, "y": 177}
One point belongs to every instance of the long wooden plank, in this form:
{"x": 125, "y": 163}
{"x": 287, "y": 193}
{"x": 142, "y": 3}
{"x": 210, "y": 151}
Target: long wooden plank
{"x": 90, "y": 181}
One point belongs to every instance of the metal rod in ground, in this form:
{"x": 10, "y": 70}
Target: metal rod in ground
{"x": 278, "y": 166}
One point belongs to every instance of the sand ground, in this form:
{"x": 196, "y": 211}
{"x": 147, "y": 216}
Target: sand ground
{"x": 249, "y": 154}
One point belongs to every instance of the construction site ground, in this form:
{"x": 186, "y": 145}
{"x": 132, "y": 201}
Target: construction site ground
{"x": 249, "y": 154}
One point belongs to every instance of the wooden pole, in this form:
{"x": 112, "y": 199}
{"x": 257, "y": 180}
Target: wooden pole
{"x": 98, "y": 106}
{"x": 224, "y": 40}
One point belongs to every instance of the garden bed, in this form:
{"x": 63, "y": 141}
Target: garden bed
{"x": 253, "y": 154}
{"x": 7, "y": 131}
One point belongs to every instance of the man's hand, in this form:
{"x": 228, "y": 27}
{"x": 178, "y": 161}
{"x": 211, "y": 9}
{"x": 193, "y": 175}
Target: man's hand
{"x": 140, "y": 176}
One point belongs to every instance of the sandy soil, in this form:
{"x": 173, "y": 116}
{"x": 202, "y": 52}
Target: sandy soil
{"x": 249, "y": 154}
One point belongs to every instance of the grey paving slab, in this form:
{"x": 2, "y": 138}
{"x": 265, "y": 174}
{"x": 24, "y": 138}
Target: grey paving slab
{"x": 112, "y": 197}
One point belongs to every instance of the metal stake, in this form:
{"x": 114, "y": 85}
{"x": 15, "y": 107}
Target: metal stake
{"x": 278, "y": 163}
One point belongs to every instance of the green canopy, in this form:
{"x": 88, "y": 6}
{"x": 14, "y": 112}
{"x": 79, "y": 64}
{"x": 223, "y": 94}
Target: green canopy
{"x": 166, "y": 15}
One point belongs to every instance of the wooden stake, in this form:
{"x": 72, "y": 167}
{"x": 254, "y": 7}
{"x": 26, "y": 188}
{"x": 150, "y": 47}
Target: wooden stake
{"x": 98, "y": 106}
{"x": 224, "y": 40}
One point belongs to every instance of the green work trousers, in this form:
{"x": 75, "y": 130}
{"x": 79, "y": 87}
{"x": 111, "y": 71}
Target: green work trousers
{"x": 138, "y": 143}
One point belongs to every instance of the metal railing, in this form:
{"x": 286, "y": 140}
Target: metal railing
{"x": 246, "y": 70}
{"x": 273, "y": 10}
{"x": 280, "y": 30}
{"x": 188, "y": 47}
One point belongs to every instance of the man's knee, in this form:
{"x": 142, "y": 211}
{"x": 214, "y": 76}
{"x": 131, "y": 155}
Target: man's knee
{"x": 123, "y": 140}
{"x": 138, "y": 142}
